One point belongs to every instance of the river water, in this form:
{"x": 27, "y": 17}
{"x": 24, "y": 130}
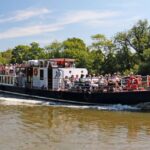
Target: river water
{"x": 32, "y": 125}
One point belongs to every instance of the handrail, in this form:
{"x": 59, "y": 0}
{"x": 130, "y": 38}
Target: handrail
{"x": 7, "y": 80}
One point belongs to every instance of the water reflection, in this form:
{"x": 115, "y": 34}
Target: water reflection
{"x": 47, "y": 127}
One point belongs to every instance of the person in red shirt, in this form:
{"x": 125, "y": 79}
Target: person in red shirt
{"x": 133, "y": 83}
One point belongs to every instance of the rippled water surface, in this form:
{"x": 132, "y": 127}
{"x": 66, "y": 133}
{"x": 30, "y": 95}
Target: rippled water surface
{"x": 36, "y": 126}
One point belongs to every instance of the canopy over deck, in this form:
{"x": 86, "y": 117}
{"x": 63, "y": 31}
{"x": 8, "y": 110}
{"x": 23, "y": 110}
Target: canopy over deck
{"x": 65, "y": 62}
{"x": 62, "y": 60}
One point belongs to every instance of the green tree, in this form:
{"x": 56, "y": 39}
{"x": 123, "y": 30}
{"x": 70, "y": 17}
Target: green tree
{"x": 144, "y": 67}
{"x": 54, "y": 50}
{"x": 5, "y": 57}
{"x": 24, "y": 52}
{"x": 74, "y": 44}
{"x": 20, "y": 53}
{"x": 102, "y": 50}
{"x": 125, "y": 58}
{"x": 36, "y": 52}
{"x": 76, "y": 48}
{"x": 132, "y": 45}
{"x": 110, "y": 63}
{"x": 101, "y": 44}
{"x": 138, "y": 37}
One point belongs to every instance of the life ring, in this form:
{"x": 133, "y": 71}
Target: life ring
{"x": 35, "y": 72}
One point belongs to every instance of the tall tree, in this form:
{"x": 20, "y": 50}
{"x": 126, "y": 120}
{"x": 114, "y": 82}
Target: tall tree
{"x": 76, "y": 48}
{"x": 144, "y": 67}
{"x": 36, "y": 52}
{"x": 138, "y": 38}
{"x": 101, "y": 44}
{"x": 124, "y": 55}
{"x": 74, "y": 44}
{"x": 103, "y": 49}
{"x": 20, "y": 53}
{"x": 54, "y": 50}
{"x": 24, "y": 52}
{"x": 5, "y": 57}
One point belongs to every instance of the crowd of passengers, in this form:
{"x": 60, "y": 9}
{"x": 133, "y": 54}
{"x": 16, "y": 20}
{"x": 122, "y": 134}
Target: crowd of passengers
{"x": 102, "y": 83}
{"x": 106, "y": 83}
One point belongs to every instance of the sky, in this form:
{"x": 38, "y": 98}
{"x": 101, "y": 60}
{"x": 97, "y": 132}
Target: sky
{"x": 44, "y": 21}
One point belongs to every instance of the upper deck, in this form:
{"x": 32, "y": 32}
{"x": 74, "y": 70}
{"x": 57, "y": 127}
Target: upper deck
{"x": 52, "y": 63}
{"x": 63, "y": 62}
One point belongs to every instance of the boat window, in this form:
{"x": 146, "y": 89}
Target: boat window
{"x": 41, "y": 64}
{"x": 45, "y": 64}
{"x": 41, "y": 74}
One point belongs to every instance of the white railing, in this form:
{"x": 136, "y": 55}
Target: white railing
{"x": 7, "y": 80}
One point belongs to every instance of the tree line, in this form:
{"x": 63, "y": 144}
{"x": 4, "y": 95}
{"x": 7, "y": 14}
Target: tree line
{"x": 126, "y": 52}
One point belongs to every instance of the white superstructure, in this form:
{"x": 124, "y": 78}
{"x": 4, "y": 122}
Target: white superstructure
{"x": 41, "y": 74}
{"x": 59, "y": 74}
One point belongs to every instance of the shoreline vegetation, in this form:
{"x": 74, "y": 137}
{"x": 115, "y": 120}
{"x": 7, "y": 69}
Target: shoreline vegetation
{"x": 126, "y": 52}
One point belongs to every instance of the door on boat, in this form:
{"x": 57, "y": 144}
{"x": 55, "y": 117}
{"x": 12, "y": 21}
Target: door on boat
{"x": 50, "y": 78}
{"x": 29, "y": 77}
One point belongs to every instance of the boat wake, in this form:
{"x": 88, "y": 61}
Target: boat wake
{"x": 6, "y": 100}
{"x": 14, "y": 100}
{"x": 18, "y": 101}
{"x": 117, "y": 107}
{"x": 144, "y": 106}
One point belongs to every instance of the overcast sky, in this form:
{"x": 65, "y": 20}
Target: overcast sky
{"x": 43, "y": 21}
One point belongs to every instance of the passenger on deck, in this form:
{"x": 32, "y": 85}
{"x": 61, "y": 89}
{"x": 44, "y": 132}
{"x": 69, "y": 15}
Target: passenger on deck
{"x": 67, "y": 82}
{"x": 132, "y": 83}
{"x": 76, "y": 78}
{"x": 102, "y": 83}
{"x": 88, "y": 82}
{"x": 94, "y": 82}
{"x": 72, "y": 80}
{"x": 82, "y": 78}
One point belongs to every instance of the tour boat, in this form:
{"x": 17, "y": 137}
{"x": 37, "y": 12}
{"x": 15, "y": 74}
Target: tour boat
{"x": 45, "y": 80}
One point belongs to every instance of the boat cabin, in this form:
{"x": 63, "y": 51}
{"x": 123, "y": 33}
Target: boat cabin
{"x": 41, "y": 74}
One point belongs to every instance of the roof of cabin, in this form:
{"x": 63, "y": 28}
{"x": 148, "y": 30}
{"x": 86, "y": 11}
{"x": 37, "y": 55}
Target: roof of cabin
{"x": 62, "y": 60}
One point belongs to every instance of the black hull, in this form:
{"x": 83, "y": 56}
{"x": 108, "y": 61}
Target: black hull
{"x": 124, "y": 98}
